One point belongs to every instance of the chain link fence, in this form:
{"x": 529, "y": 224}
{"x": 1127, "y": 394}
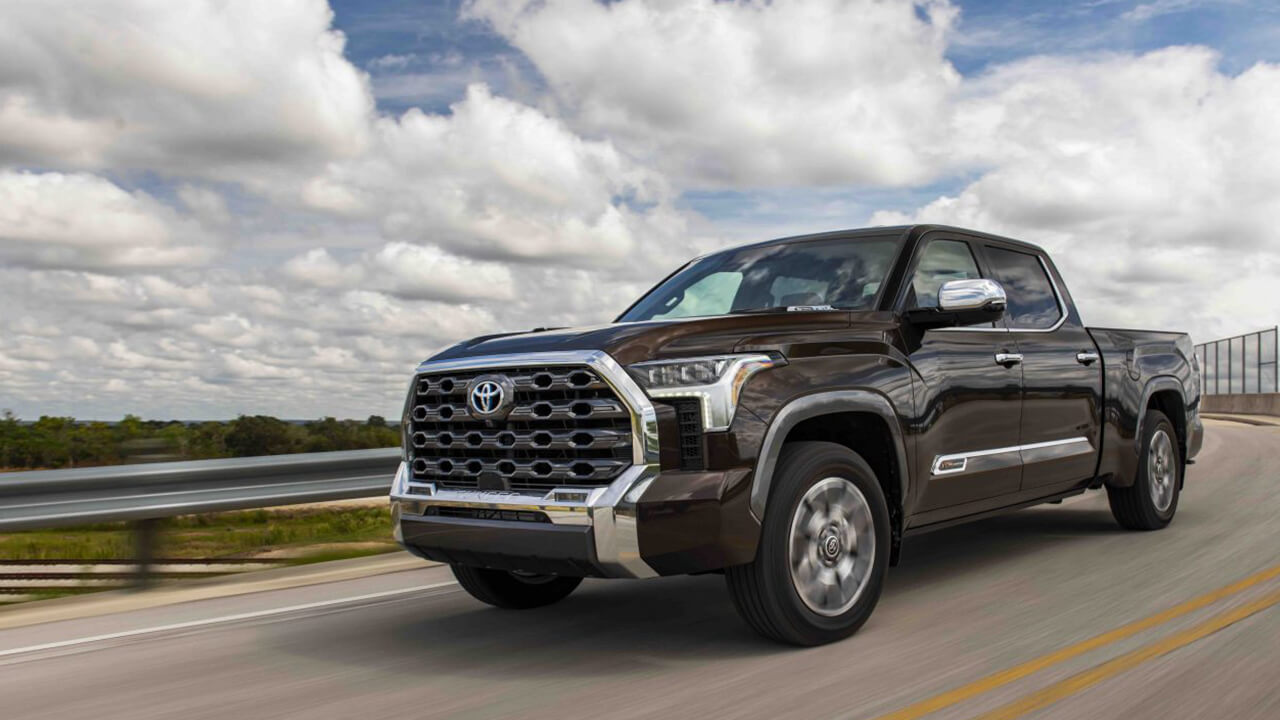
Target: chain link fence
{"x": 1241, "y": 365}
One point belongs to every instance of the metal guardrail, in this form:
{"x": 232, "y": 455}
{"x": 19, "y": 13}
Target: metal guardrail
{"x": 147, "y": 493}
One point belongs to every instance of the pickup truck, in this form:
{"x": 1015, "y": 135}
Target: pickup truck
{"x": 787, "y": 413}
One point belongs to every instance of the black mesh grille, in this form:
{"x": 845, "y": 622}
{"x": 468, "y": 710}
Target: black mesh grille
{"x": 689, "y": 418}
{"x": 567, "y": 427}
{"x": 467, "y": 513}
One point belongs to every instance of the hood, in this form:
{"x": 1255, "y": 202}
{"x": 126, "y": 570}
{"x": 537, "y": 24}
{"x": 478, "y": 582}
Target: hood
{"x": 632, "y": 342}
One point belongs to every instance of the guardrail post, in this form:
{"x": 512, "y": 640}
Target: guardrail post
{"x": 146, "y": 535}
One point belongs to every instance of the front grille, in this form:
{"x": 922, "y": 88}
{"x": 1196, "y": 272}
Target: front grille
{"x": 567, "y": 428}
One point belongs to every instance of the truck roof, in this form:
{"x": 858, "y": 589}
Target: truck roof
{"x": 913, "y": 231}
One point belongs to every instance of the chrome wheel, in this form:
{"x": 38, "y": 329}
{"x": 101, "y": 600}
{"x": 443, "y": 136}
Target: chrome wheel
{"x": 833, "y": 546}
{"x": 1161, "y": 470}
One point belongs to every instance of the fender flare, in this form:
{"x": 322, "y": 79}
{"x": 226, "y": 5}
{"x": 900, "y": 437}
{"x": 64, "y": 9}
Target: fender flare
{"x": 1154, "y": 385}
{"x": 809, "y": 406}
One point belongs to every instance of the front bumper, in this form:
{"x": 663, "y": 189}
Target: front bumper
{"x": 645, "y": 523}
{"x": 568, "y": 531}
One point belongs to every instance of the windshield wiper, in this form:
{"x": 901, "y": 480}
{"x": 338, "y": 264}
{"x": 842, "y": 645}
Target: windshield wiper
{"x": 786, "y": 308}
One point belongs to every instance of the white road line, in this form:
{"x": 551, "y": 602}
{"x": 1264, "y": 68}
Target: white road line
{"x": 216, "y": 620}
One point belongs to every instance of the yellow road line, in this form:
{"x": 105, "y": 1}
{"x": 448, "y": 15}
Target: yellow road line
{"x": 1097, "y": 674}
{"x": 1017, "y": 672}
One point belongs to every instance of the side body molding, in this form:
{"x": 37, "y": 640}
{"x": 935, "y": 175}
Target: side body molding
{"x": 809, "y": 406}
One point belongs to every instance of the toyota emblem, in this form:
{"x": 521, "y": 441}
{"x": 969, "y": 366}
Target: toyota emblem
{"x": 489, "y": 395}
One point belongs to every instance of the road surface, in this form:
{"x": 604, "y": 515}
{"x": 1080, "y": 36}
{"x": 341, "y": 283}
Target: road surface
{"x": 1052, "y": 612}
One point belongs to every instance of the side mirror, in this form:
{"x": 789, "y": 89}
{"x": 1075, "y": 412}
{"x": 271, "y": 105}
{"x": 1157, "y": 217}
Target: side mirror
{"x": 964, "y": 302}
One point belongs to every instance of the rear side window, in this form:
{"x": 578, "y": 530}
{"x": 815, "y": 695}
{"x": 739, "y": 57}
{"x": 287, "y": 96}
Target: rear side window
{"x": 1033, "y": 305}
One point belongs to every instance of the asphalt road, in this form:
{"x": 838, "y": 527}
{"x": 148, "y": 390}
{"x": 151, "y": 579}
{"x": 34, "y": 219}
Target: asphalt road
{"x": 1052, "y": 612}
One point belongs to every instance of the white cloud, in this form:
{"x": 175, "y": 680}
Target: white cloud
{"x": 749, "y": 93}
{"x": 414, "y": 272}
{"x": 198, "y": 88}
{"x": 1139, "y": 172}
{"x": 80, "y": 220}
{"x": 496, "y": 179}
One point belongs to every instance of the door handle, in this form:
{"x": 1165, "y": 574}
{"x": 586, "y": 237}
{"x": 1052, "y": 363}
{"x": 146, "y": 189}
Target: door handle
{"x": 1008, "y": 359}
{"x": 1088, "y": 357}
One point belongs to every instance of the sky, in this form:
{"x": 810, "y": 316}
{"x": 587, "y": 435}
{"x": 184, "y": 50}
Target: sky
{"x": 218, "y": 208}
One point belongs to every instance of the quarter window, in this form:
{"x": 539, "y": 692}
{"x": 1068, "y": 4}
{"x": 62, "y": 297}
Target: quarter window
{"x": 1033, "y": 305}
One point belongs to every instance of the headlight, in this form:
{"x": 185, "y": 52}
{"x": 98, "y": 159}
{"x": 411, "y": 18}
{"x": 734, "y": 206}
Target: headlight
{"x": 716, "y": 381}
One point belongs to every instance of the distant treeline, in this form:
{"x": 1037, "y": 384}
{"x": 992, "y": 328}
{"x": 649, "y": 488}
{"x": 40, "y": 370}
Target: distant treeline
{"x": 62, "y": 442}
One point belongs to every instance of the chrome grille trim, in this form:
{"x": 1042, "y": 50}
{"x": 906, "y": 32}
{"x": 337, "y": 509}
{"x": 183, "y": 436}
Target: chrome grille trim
{"x": 530, "y": 472}
{"x": 596, "y": 438}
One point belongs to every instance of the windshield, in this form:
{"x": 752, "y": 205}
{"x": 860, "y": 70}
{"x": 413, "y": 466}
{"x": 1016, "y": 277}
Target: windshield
{"x": 844, "y": 274}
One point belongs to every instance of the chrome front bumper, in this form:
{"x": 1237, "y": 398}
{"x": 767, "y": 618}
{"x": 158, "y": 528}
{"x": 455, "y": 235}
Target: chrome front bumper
{"x": 607, "y": 515}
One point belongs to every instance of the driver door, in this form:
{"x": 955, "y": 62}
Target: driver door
{"x": 971, "y": 406}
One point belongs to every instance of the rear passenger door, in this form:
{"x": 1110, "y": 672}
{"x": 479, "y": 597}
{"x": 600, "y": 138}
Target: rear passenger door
{"x": 1061, "y": 373}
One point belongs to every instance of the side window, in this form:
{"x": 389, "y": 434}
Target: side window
{"x": 712, "y": 295}
{"x": 940, "y": 262}
{"x": 1033, "y": 305}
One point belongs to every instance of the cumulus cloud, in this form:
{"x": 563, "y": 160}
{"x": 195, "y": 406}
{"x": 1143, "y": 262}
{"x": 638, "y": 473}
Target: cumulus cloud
{"x": 1143, "y": 174}
{"x": 414, "y": 272}
{"x": 749, "y": 93}
{"x": 80, "y": 220}
{"x": 197, "y": 88}
{"x": 497, "y": 179}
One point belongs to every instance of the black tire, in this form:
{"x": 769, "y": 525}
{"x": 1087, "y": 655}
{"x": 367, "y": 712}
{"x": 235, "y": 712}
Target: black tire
{"x": 1140, "y": 506}
{"x": 763, "y": 591}
{"x": 514, "y": 592}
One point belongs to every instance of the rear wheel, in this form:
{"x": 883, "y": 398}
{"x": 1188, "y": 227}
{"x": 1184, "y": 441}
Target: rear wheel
{"x": 1149, "y": 504}
{"x": 514, "y": 591}
{"x": 824, "y": 548}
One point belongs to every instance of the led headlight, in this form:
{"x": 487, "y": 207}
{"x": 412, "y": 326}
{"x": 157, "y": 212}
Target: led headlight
{"x": 716, "y": 381}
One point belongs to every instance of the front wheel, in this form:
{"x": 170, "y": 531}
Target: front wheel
{"x": 514, "y": 591}
{"x": 824, "y": 548}
{"x": 1149, "y": 504}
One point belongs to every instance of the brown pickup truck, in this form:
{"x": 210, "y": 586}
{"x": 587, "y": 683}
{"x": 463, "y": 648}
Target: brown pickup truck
{"x": 786, "y": 413}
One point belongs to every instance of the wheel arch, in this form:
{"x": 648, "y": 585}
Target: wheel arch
{"x": 1166, "y": 394}
{"x": 837, "y": 416}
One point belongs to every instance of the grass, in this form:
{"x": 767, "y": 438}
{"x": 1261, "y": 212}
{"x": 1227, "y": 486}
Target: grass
{"x": 240, "y": 534}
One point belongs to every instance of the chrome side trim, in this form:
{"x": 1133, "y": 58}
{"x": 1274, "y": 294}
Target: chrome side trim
{"x": 1057, "y": 293}
{"x": 997, "y": 458}
{"x": 808, "y": 406}
{"x": 610, "y": 511}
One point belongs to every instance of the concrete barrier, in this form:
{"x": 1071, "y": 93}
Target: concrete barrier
{"x": 1257, "y": 404}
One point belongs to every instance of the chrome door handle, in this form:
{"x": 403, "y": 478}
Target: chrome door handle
{"x": 1008, "y": 359}
{"x": 1088, "y": 357}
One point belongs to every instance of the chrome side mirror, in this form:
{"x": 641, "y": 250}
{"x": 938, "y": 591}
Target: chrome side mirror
{"x": 980, "y": 295}
{"x": 962, "y": 303}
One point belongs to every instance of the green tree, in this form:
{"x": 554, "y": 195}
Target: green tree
{"x": 252, "y": 435}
